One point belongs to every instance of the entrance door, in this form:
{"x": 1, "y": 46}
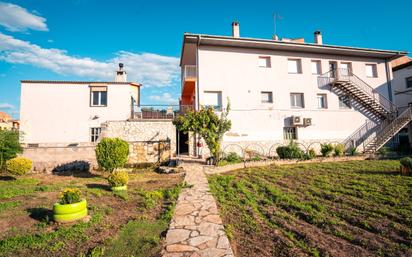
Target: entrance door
{"x": 182, "y": 142}
{"x": 333, "y": 67}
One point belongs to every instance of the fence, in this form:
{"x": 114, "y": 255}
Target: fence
{"x": 159, "y": 112}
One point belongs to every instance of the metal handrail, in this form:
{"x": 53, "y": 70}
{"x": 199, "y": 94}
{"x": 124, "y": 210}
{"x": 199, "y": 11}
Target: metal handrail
{"x": 354, "y": 140}
{"x": 190, "y": 71}
{"x": 159, "y": 112}
{"x": 341, "y": 74}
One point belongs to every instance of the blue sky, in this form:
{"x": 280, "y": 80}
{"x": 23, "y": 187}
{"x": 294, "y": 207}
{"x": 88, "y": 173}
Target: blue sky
{"x": 84, "y": 39}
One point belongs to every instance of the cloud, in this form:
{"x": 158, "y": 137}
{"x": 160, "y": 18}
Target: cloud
{"x": 152, "y": 70}
{"x": 7, "y": 106}
{"x": 16, "y": 18}
{"x": 165, "y": 97}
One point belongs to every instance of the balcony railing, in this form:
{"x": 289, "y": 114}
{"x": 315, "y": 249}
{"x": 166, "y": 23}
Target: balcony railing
{"x": 189, "y": 72}
{"x": 159, "y": 112}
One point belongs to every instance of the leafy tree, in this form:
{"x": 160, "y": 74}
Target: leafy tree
{"x": 208, "y": 125}
{"x": 9, "y": 146}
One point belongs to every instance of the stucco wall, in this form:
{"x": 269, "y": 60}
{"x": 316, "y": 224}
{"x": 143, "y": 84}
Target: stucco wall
{"x": 399, "y": 86}
{"x": 236, "y": 73}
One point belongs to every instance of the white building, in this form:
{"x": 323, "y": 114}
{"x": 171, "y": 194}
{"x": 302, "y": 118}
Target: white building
{"x": 287, "y": 89}
{"x": 64, "y": 112}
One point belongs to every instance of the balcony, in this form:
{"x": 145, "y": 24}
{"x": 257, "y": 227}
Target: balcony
{"x": 159, "y": 112}
{"x": 189, "y": 77}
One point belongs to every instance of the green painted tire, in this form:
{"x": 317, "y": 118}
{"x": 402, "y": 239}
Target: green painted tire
{"x": 61, "y": 209}
{"x": 120, "y": 188}
{"x": 70, "y": 217}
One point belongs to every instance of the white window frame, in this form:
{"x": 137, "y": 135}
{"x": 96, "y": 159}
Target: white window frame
{"x": 95, "y": 133}
{"x": 270, "y": 97}
{"x": 99, "y": 98}
{"x": 293, "y": 100}
{"x": 318, "y": 65}
{"x": 298, "y": 66}
{"x": 325, "y": 101}
{"x": 267, "y": 62}
{"x": 217, "y": 106}
{"x": 374, "y": 70}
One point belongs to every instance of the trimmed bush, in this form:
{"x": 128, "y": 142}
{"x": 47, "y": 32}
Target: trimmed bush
{"x": 19, "y": 166}
{"x": 112, "y": 153}
{"x": 291, "y": 151}
{"x": 339, "y": 149}
{"x": 70, "y": 195}
{"x": 118, "y": 178}
{"x": 406, "y": 162}
{"x": 326, "y": 149}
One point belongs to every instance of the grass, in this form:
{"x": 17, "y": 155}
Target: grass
{"x": 127, "y": 223}
{"x": 316, "y": 207}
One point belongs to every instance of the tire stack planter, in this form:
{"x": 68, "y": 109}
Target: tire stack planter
{"x": 69, "y": 212}
{"x": 405, "y": 170}
{"x": 119, "y": 188}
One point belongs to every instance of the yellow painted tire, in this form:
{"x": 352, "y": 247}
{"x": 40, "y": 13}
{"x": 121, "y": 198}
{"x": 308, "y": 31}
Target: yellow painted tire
{"x": 61, "y": 209}
{"x": 119, "y": 188}
{"x": 70, "y": 217}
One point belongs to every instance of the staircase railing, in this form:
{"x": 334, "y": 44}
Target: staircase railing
{"x": 357, "y": 137}
{"x": 346, "y": 75}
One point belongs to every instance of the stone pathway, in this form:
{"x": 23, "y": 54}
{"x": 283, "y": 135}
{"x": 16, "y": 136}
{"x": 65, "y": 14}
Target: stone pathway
{"x": 196, "y": 229}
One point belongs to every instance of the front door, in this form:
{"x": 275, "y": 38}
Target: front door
{"x": 182, "y": 142}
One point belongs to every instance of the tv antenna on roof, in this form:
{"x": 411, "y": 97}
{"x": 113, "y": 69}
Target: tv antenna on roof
{"x": 276, "y": 18}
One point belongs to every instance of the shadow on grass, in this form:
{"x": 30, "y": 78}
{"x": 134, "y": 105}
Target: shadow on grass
{"x": 40, "y": 214}
{"x": 99, "y": 186}
{"x": 79, "y": 169}
{"x": 7, "y": 178}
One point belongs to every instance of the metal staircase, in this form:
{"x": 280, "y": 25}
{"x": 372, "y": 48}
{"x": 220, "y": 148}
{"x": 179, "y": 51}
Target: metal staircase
{"x": 385, "y": 121}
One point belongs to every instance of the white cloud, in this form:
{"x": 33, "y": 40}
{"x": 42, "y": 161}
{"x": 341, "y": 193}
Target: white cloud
{"x": 7, "y": 106}
{"x": 152, "y": 70}
{"x": 16, "y": 18}
{"x": 165, "y": 97}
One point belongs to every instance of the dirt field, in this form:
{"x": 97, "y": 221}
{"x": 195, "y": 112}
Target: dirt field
{"x": 358, "y": 208}
{"x": 121, "y": 224}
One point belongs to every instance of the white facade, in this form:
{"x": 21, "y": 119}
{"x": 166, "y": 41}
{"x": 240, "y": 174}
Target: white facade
{"x": 402, "y": 85}
{"x": 248, "y": 72}
{"x": 53, "y": 112}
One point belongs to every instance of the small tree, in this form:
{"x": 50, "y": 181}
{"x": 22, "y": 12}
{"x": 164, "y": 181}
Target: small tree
{"x": 208, "y": 125}
{"x": 112, "y": 153}
{"x": 9, "y": 146}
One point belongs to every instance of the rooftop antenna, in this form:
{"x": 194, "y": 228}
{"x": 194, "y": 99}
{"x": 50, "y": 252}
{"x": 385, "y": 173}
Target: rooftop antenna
{"x": 276, "y": 17}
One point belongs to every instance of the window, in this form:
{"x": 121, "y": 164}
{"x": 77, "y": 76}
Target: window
{"x": 264, "y": 61}
{"x": 297, "y": 100}
{"x": 344, "y": 102}
{"x": 316, "y": 67}
{"x": 371, "y": 71}
{"x": 267, "y": 97}
{"x": 409, "y": 82}
{"x": 346, "y": 68}
{"x": 321, "y": 99}
{"x": 98, "y": 96}
{"x": 94, "y": 134}
{"x": 213, "y": 99}
{"x": 294, "y": 66}
{"x": 290, "y": 133}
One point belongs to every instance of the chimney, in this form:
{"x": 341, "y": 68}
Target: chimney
{"x": 121, "y": 75}
{"x": 235, "y": 29}
{"x": 318, "y": 37}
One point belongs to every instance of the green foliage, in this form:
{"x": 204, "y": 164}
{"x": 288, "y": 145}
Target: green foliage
{"x": 231, "y": 158}
{"x": 118, "y": 178}
{"x": 383, "y": 151}
{"x": 208, "y": 125}
{"x": 326, "y": 149}
{"x": 8, "y": 205}
{"x": 112, "y": 153}
{"x": 291, "y": 151}
{"x": 19, "y": 166}
{"x": 9, "y": 146}
{"x": 406, "y": 161}
{"x": 310, "y": 154}
{"x": 70, "y": 195}
{"x": 352, "y": 151}
{"x": 339, "y": 150}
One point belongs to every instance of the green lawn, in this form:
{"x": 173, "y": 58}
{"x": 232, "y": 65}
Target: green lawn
{"x": 357, "y": 208}
{"x": 121, "y": 224}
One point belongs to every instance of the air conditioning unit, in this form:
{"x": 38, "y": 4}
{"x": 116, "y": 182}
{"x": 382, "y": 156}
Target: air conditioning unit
{"x": 307, "y": 122}
{"x": 297, "y": 121}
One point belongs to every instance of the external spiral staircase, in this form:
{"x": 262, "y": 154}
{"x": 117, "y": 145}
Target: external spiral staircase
{"x": 385, "y": 119}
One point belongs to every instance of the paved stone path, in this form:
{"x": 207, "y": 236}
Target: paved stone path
{"x": 196, "y": 229}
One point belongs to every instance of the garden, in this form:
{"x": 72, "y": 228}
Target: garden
{"x": 110, "y": 212}
{"x": 356, "y": 208}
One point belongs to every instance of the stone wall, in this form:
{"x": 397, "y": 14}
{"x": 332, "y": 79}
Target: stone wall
{"x": 149, "y": 140}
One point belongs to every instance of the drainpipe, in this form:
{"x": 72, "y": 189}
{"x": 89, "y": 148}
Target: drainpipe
{"x": 197, "y": 104}
{"x": 388, "y": 79}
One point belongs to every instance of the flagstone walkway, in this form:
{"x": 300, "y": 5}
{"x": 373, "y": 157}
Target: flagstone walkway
{"x": 196, "y": 229}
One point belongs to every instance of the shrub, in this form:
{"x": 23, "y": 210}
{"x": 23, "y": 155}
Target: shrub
{"x": 406, "y": 162}
{"x": 118, "y": 178}
{"x": 9, "y": 146}
{"x": 233, "y": 157}
{"x": 326, "y": 149}
{"x": 19, "y": 166}
{"x": 112, "y": 153}
{"x": 310, "y": 154}
{"x": 70, "y": 195}
{"x": 352, "y": 151}
{"x": 339, "y": 149}
{"x": 383, "y": 151}
{"x": 291, "y": 151}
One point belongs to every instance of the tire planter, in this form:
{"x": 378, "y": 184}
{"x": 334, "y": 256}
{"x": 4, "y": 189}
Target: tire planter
{"x": 69, "y": 212}
{"x": 119, "y": 188}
